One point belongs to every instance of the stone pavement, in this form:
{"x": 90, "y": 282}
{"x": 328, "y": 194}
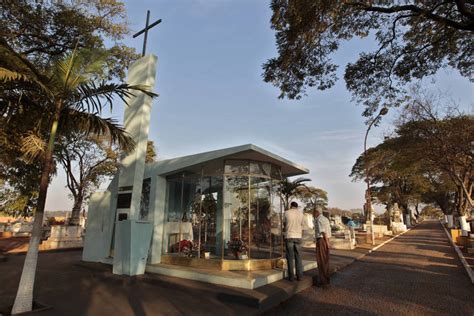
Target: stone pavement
{"x": 75, "y": 288}
{"x": 416, "y": 274}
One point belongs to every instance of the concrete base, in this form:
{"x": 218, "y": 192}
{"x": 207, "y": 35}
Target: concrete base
{"x": 240, "y": 279}
{"x": 63, "y": 237}
{"x": 132, "y": 244}
{"x": 339, "y": 243}
{"x": 398, "y": 228}
{"x": 379, "y": 230}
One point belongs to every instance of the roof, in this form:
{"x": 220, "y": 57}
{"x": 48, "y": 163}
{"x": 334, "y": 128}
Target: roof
{"x": 249, "y": 151}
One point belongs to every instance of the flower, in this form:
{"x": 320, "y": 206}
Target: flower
{"x": 237, "y": 246}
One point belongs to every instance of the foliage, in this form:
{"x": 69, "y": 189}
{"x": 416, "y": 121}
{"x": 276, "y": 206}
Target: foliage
{"x": 415, "y": 39}
{"x": 428, "y": 160}
{"x": 431, "y": 211}
{"x": 70, "y": 100}
{"x": 43, "y": 31}
{"x": 288, "y": 189}
{"x": 314, "y": 198}
{"x": 237, "y": 246}
{"x": 150, "y": 152}
{"x": 87, "y": 161}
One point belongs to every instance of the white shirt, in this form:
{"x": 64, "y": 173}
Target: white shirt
{"x": 294, "y": 220}
{"x": 322, "y": 225}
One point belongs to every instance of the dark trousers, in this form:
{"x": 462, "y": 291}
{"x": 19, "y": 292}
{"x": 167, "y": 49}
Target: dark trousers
{"x": 322, "y": 258}
{"x": 293, "y": 256}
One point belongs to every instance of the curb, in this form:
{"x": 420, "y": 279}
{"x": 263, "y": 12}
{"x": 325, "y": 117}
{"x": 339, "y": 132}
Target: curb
{"x": 358, "y": 258}
{"x": 460, "y": 255}
{"x": 387, "y": 241}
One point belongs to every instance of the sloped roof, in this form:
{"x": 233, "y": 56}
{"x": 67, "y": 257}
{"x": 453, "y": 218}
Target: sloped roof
{"x": 249, "y": 151}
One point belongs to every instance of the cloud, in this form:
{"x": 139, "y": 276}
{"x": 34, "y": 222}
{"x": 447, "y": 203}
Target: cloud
{"x": 340, "y": 135}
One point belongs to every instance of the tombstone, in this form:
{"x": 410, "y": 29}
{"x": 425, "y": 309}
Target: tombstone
{"x": 450, "y": 220}
{"x": 398, "y": 225}
{"x": 465, "y": 227}
{"x": 63, "y": 237}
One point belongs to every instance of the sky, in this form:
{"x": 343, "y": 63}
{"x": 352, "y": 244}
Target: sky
{"x": 212, "y": 96}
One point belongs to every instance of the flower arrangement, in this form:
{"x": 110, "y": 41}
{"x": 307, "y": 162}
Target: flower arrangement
{"x": 184, "y": 246}
{"x": 237, "y": 246}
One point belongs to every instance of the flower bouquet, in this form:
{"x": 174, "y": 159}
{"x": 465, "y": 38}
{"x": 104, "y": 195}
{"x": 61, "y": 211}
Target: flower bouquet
{"x": 237, "y": 246}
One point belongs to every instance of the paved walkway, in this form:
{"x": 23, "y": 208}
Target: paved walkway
{"x": 416, "y": 274}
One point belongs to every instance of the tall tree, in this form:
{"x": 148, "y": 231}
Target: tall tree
{"x": 444, "y": 143}
{"x": 70, "y": 99}
{"x": 394, "y": 176}
{"x": 415, "y": 39}
{"x": 288, "y": 189}
{"x": 314, "y": 198}
{"x": 429, "y": 160}
{"x": 87, "y": 161}
{"x": 43, "y": 31}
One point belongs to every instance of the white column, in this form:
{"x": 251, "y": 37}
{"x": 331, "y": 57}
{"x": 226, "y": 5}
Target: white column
{"x": 137, "y": 124}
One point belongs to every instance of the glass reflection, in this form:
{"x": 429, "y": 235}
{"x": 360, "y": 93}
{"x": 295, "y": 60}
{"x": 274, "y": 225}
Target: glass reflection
{"x": 234, "y": 216}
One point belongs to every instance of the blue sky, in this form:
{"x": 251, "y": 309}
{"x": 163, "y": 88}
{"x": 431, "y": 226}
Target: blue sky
{"x": 210, "y": 54}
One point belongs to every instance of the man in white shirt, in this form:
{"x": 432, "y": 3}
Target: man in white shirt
{"x": 294, "y": 223}
{"x": 323, "y": 233}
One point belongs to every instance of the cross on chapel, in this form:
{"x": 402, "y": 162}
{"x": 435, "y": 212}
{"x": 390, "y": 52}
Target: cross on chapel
{"x": 145, "y": 30}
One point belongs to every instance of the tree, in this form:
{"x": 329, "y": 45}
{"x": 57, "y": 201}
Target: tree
{"x": 445, "y": 144}
{"x": 314, "y": 198}
{"x": 395, "y": 177}
{"x": 150, "y": 152}
{"x": 415, "y": 39}
{"x": 431, "y": 211}
{"x": 87, "y": 161}
{"x": 71, "y": 101}
{"x": 288, "y": 189}
{"x": 428, "y": 160}
{"x": 43, "y": 31}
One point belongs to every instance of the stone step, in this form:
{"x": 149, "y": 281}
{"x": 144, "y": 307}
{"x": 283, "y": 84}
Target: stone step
{"x": 271, "y": 295}
{"x": 239, "y": 279}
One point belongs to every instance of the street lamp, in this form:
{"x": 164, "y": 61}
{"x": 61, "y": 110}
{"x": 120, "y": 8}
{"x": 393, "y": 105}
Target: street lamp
{"x": 368, "y": 198}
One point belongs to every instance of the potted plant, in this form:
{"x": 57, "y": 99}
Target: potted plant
{"x": 238, "y": 247}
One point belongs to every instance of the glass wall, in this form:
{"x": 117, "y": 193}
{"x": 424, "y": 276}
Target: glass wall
{"x": 225, "y": 213}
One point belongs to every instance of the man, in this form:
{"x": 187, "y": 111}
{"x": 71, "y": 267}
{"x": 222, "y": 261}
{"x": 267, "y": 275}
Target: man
{"x": 323, "y": 233}
{"x": 294, "y": 221}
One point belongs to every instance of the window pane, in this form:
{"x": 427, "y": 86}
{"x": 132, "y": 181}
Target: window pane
{"x": 261, "y": 218}
{"x": 276, "y": 172}
{"x": 260, "y": 168}
{"x": 145, "y": 200}
{"x": 237, "y": 166}
{"x": 236, "y": 199}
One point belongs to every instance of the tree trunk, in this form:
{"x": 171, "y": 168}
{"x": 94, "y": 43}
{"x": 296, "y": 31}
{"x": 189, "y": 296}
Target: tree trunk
{"x": 76, "y": 210}
{"x": 24, "y": 296}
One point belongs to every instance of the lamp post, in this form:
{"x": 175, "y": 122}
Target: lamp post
{"x": 368, "y": 198}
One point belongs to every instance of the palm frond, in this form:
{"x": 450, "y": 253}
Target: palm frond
{"x": 89, "y": 123}
{"x": 92, "y": 98}
{"x": 8, "y": 76}
{"x": 32, "y": 147}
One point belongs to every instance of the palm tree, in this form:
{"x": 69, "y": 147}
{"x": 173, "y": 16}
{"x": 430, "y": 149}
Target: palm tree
{"x": 288, "y": 189}
{"x": 71, "y": 100}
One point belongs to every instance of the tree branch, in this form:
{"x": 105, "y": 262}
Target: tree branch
{"x": 469, "y": 26}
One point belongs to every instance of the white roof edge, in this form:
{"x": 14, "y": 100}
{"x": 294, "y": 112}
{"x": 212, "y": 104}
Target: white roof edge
{"x": 167, "y": 166}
